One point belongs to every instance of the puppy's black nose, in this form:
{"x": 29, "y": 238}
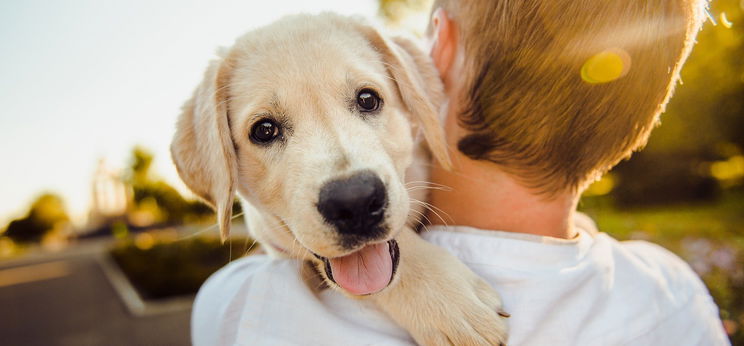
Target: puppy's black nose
{"x": 355, "y": 205}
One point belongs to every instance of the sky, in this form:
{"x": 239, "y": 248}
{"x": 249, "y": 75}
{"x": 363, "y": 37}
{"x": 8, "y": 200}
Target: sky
{"x": 82, "y": 80}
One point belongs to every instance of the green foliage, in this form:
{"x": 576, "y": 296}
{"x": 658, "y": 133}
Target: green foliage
{"x": 175, "y": 268}
{"x": 704, "y": 122}
{"x": 707, "y": 109}
{"x": 154, "y": 193}
{"x": 394, "y": 12}
{"x": 46, "y": 213}
{"x": 662, "y": 178}
{"x": 174, "y": 209}
{"x": 141, "y": 162}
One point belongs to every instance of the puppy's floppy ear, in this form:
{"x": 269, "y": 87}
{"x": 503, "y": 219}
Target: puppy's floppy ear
{"x": 202, "y": 147}
{"x": 419, "y": 86}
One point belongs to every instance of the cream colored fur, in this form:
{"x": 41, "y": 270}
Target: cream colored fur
{"x": 306, "y": 70}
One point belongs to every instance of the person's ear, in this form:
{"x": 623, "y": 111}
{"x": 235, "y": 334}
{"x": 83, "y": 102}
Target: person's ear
{"x": 444, "y": 47}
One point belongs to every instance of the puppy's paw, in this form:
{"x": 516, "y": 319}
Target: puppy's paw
{"x": 440, "y": 301}
{"x": 468, "y": 313}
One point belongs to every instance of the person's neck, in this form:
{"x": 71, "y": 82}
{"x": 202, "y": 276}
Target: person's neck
{"x": 478, "y": 194}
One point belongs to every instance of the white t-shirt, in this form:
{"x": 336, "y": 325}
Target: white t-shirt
{"x": 592, "y": 290}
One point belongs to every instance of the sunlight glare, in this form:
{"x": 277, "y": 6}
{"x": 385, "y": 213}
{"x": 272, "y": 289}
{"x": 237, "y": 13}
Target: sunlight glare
{"x": 605, "y": 67}
{"x": 725, "y": 21}
{"x": 711, "y": 17}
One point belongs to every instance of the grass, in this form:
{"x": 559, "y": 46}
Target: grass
{"x": 720, "y": 221}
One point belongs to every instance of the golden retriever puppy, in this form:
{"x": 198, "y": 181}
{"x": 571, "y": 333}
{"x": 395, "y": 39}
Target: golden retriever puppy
{"x": 315, "y": 121}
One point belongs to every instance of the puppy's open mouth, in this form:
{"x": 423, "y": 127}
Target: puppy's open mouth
{"x": 365, "y": 271}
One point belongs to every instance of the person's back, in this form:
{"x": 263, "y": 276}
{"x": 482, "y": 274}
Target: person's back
{"x": 545, "y": 97}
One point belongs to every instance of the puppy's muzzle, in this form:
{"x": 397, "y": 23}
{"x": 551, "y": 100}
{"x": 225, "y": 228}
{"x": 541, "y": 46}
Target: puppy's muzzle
{"x": 355, "y": 206}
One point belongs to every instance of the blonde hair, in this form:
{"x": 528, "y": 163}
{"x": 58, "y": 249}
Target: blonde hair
{"x": 527, "y": 107}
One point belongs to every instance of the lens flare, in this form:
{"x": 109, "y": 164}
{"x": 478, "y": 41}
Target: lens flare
{"x": 606, "y": 66}
{"x": 725, "y": 21}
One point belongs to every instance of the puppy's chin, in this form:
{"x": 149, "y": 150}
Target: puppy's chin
{"x": 365, "y": 271}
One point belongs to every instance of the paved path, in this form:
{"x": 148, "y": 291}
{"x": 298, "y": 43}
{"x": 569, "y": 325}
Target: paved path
{"x": 65, "y": 299}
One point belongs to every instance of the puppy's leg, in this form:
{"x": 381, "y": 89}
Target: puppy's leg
{"x": 439, "y": 300}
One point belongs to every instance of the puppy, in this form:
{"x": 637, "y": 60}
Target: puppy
{"x": 314, "y": 122}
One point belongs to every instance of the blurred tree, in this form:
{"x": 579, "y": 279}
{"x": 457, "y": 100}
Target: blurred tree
{"x": 159, "y": 201}
{"x": 141, "y": 162}
{"x": 703, "y": 125}
{"x": 411, "y": 15}
{"x": 395, "y": 11}
{"x": 46, "y": 214}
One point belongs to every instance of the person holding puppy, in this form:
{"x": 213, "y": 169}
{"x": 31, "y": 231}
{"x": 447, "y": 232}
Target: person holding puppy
{"x": 543, "y": 98}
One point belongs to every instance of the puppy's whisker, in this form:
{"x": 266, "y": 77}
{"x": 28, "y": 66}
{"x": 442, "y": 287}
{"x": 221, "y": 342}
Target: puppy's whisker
{"x": 439, "y": 210}
{"x": 421, "y": 223}
{"x": 417, "y": 185}
{"x": 426, "y": 229}
{"x": 416, "y": 188}
{"x": 429, "y": 186}
{"x": 421, "y": 216}
{"x": 206, "y": 229}
{"x": 198, "y": 233}
{"x": 229, "y": 249}
{"x": 434, "y": 210}
{"x": 423, "y": 226}
{"x": 249, "y": 248}
{"x": 423, "y": 182}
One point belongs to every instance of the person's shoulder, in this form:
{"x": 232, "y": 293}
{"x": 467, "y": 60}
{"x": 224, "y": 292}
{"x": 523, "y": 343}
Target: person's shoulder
{"x": 230, "y": 278}
{"x": 216, "y": 295}
{"x": 675, "y": 304}
{"x": 643, "y": 263}
{"x": 651, "y": 270}
{"x": 667, "y": 269}
{"x": 220, "y": 302}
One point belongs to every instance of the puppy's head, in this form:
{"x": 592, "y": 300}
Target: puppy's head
{"x": 311, "y": 120}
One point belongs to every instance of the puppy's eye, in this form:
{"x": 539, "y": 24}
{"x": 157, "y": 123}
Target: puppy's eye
{"x": 368, "y": 101}
{"x": 264, "y": 131}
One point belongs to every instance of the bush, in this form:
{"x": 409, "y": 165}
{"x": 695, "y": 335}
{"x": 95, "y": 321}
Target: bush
{"x": 46, "y": 213}
{"x": 663, "y": 179}
{"x": 160, "y": 270}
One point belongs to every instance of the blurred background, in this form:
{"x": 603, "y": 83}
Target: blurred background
{"x": 100, "y": 242}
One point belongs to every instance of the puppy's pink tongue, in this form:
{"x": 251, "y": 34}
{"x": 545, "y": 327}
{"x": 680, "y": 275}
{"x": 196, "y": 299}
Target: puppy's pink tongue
{"x": 366, "y": 271}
